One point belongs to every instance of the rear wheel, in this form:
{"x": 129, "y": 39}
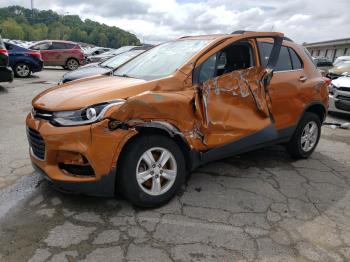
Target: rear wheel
{"x": 22, "y": 70}
{"x": 306, "y": 136}
{"x": 152, "y": 170}
{"x": 72, "y": 64}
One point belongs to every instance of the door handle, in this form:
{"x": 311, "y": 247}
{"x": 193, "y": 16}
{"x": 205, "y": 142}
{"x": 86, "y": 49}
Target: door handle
{"x": 302, "y": 78}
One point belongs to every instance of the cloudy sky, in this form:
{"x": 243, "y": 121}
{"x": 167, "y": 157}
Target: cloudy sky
{"x": 154, "y": 21}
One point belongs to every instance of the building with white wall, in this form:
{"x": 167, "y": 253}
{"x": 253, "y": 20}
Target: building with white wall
{"x": 330, "y": 49}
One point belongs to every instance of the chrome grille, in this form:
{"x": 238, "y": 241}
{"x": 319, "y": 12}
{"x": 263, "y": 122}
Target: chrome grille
{"x": 343, "y": 88}
{"x": 36, "y": 143}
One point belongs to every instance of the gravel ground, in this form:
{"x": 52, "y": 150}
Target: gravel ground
{"x": 259, "y": 206}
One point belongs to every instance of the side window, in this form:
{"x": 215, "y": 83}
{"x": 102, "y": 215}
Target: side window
{"x": 207, "y": 69}
{"x": 287, "y": 60}
{"x": 296, "y": 61}
{"x": 265, "y": 51}
{"x": 233, "y": 57}
{"x": 58, "y": 45}
{"x": 284, "y": 63}
{"x": 8, "y": 46}
{"x": 42, "y": 46}
{"x": 69, "y": 46}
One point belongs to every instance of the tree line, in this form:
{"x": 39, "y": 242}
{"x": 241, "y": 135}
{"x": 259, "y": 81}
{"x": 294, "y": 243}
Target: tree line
{"x": 20, "y": 23}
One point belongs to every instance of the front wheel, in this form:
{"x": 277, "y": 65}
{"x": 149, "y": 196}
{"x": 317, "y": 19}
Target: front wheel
{"x": 152, "y": 170}
{"x": 22, "y": 70}
{"x": 306, "y": 136}
{"x": 72, "y": 64}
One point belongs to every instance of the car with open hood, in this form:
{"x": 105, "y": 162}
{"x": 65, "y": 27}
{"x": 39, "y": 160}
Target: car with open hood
{"x": 173, "y": 108}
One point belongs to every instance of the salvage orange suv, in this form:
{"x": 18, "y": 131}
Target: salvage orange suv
{"x": 177, "y": 106}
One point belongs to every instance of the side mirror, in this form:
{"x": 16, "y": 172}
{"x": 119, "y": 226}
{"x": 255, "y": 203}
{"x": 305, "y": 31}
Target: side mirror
{"x": 267, "y": 77}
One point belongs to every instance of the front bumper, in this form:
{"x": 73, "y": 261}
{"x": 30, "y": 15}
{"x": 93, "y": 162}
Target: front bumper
{"x": 93, "y": 145}
{"x": 339, "y": 102}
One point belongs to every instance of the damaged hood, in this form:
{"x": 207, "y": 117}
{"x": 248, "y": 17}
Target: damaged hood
{"x": 88, "y": 91}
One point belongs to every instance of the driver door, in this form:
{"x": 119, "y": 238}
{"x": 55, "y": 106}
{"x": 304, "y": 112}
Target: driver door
{"x": 232, "y": 99}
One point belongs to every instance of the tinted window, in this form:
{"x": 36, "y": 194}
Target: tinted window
{"x": 58, "y": 45}
{"x": 8, "y": 46}
{"x": 69, "y": 46}
{"x": 287, "y": 60}
{"x": 284, "y": 63}
{"x": 265, "y": 51}
{"x": 297, "y": 64}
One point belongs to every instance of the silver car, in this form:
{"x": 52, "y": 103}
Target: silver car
{"x": 339, "y": 95}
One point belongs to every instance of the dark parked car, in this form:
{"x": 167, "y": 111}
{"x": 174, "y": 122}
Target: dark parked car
{"x": 97, "y": 51}
{"x": 6, "y": 74}
{"x": 323, "y": 63}
{"x": 103, "y": 68}
{"x": 67, "y": 54}
{"x": 107, "y": 55}
{"x": 24, "y": 61}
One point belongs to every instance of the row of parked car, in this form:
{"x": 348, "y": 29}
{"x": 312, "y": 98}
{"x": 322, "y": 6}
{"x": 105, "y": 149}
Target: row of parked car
{"x": 25, "y": 60}
{"x": 333, "y": 70}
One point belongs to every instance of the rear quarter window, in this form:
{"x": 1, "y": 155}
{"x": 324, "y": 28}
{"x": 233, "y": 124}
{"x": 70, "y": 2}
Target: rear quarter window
{"x": 287, "y": 60}
{"x": 296, "y": 61}
{"x": 70, "y": 46}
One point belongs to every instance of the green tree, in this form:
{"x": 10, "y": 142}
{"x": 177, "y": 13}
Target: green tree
{"x": 11, "y": 29}
{"x": 17, "y": 22}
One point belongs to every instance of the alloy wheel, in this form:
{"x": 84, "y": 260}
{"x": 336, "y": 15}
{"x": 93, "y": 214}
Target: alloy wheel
{"x": 22, "y": 70}
{"x": 156, "y": 171}
{"x": 309, "y": 136}
{"x": 72, "y": 64}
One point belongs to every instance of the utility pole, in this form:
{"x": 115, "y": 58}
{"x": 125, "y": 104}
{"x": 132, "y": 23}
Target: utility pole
{"x": 32, "y": 7}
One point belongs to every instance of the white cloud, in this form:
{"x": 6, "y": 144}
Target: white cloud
{"x": 156, "y": 21}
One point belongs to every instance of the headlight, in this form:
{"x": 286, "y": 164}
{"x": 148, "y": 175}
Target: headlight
{"x": 84, "y": 116}
{"x": 331, "y": 88}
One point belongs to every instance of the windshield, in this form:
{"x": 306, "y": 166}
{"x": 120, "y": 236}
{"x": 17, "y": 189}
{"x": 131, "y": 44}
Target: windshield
{"x": 122, "y": 50}
{"x": 120, "y": 59}
{"x": 162, "y": 60}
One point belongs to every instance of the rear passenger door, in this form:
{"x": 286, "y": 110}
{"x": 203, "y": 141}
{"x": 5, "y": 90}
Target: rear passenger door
{"x": 58, "y": 53}
{"x": 286, "y": 85}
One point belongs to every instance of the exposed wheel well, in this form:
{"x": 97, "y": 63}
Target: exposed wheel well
{"x": 157, "y": 131}
{"x": 319, "y": 110}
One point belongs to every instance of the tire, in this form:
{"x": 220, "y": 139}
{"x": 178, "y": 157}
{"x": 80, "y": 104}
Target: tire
{"x": 149, "y": 193}
{"x": 298, "y": 149}
{"x": 22, "y": 70}
{"x": 72, "y": 64}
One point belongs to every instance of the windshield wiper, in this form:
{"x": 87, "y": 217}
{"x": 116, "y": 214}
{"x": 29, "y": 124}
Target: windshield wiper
{"x": 125, "y": 75}
{"x": 106, "y": 66}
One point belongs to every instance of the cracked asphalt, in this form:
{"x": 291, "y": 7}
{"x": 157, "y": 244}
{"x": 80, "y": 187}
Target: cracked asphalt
{"x": 259, "y": 206}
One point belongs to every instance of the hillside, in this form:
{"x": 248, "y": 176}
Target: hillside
{"x": 21, "y": 23}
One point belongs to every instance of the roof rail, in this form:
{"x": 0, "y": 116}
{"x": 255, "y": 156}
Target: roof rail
{"x": 244, "y": 31}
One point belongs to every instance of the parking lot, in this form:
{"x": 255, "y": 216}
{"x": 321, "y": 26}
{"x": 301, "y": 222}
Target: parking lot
{"x": 260, "y": 206}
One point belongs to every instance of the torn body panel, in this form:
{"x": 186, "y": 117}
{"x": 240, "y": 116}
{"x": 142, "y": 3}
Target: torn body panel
{"x": 234, "y": 106}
